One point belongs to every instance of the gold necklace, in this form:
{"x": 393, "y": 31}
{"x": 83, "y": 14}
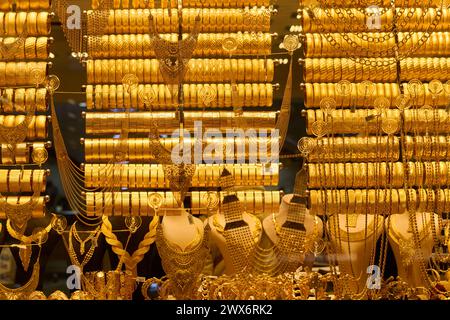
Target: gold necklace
{"x": 26, "y": 289}
{"x": 191, "y": 245}
{"x": 91, "y": 236}
{"x": 356, "y": 236}
{"x": 182, "y": 266}
{"x": 407, "y": 247}
{"x": 25, "y": 250}
{"x": 89, "y": 254}
{"x": 256, "y": 231}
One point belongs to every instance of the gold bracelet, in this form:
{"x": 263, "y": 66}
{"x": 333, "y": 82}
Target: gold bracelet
{"x": 10, "y": 24}
{"x": 43, "y": 23}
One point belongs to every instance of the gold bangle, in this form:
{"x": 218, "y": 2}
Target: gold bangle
{"x": 43, "y": 23}
{"x": 269, "y": 101}
{"x": 21, "y": 20}
{"x": 10, "y": 24}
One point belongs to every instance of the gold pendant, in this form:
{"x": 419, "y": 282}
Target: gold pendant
{"x": 25, "y": 255}
{"x": 352, "y": 220}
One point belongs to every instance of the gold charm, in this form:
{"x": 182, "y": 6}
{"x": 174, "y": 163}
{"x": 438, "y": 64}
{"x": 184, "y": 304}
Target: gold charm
{"x": 25, "y": 255}
{"x": 39, "y": 155}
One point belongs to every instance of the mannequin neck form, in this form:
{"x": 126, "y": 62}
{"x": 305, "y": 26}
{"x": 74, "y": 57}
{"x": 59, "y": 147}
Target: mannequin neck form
{"x": 311, "y": 223}
{"x": 182, "y": 229}
{"x": 354, "y": 255}
{"x": 401, "y": 238}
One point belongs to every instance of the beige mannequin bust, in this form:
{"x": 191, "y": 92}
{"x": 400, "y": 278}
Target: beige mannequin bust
{"x": 355, "y": 248}
{"x": 218, "y": 238}
{"x": 402, "y": 243}
{"x": 312, "y": 224}
{"x": 180, "y": 231}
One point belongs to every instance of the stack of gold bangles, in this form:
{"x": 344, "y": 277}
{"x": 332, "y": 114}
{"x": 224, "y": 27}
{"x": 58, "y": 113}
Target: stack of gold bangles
{"x": 21, "y": 73}
{"x": 37, "y": 128}
{"x": 208, "y": 45}
{"x": 137, "y": 203}
{"x": 354, "y": 201}
{"x": 31, "y": 49}
{"x": 139, "y": 149}
{"x": 345, "y": 121}
{"x": 359, "y": 94}
{"x": 38, "y": 206}
{"x": 317, "y": 45}
{"x": 336, "y": 69}
{"x": 362, "y": 121}
{"x": 16, "y": 181}
{"x": 427, "y": 147}
{"x": 212, "y": 95}
{"x": 355, "y": 149}
{"x": 18, "y": 100}
{"x": 25, "y": 5}
{"x": 141, "y": 4}
{"x": 200, "y": 70}
{"x": 22, "y": 152}
{"x": 110, "y": 123}
{"x": 438, "y": 43}
{"x": 351, "y": 201}
{"x": 425, "y": 69}
{"x": 32, "y": 23}
{"x": 212, "y": 20}
{"x": 408, "y": 19}
{"x": 126, "y": 203}
{"x": 152, "y": 176}
{"x": 357, "y": 175}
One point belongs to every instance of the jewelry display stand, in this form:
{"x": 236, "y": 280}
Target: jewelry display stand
{"x": 402, "y": 244}
{"x": 356, "y": 245}
{"x": 272, "y": 222}
{"x": 219, "y": 240}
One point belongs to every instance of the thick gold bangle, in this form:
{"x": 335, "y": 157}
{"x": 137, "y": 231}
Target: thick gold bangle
{"x": 269, "y": 98}
{"x": 10, "y": 24}
{"x": 43, "y": 23}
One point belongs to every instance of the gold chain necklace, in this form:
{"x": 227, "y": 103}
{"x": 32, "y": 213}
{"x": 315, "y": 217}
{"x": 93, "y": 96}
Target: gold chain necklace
{"x": 91, "y": 236}
{"x": 89, "y": 254}
{"x": 407, "y": 247}
{"x": 25, "y": 241}
{"x": 26, "y": 289}
{"x": 356, "y": 236}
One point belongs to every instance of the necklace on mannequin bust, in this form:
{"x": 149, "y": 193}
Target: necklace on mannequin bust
{"x": 239, "y": 239}
{"x": 93, "y": 235}
{"x": 256, "y": 231}
{"x": 407, "y": 247}
{"x": 182, "y": 265}
{"x": 359, "y": 235}
{"x": 73, "y": 255}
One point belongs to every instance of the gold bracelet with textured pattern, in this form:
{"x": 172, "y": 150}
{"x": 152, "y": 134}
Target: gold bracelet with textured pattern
{"x": 260, "y": 16}
{"x": 203, "y": 177}
{"x": 359, "y": 96}
{"x": 111, "y": 123}
{"x": 92, "y": 147}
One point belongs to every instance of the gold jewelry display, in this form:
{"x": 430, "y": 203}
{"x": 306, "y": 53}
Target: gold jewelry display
{"x": 179, "y": 262}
